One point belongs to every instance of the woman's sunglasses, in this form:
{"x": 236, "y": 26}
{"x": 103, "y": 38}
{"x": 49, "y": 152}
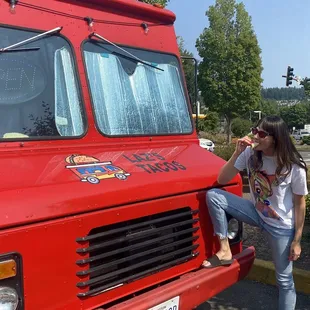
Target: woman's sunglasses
{"x": 261, "y": 133}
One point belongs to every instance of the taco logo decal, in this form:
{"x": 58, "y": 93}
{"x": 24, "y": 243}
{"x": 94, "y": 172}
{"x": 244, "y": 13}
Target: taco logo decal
{"x": 90, "y": 169}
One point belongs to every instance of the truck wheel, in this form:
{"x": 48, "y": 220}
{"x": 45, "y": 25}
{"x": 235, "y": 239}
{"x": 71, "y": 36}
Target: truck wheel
{"x": 93, "y": 180}
{"x": 120, "y": 176}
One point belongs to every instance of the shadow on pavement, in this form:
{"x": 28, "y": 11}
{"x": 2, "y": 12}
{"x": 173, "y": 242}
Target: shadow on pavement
{"x": 250, "y": 295}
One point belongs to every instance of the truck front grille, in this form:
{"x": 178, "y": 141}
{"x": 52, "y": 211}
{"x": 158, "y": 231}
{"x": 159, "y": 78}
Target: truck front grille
{"x": 124, "y": 252}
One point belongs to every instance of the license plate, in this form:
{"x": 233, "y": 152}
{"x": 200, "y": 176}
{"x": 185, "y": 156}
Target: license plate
{"x": 171, "y": 304}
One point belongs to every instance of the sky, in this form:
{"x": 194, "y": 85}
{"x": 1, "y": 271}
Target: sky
{"x": 282, "y": 28}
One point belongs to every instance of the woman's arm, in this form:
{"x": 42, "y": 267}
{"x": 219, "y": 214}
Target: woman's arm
{"x": 300, "y": 212}
{"x": 229, "y": 171}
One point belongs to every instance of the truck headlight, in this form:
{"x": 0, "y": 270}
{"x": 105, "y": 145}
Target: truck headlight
{"x": 11, "y": 282}
{"x": 8, "y": 298}
{"x": 233, "y": 228}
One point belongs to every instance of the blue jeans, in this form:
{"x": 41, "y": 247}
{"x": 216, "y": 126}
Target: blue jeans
{"x": 279, "y": 240}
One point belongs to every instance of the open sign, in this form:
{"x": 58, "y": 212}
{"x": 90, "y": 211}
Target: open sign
{"x": 20, "y": 79}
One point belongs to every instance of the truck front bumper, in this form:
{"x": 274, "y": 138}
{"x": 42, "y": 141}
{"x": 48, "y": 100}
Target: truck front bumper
{"x": 196, "y": 287}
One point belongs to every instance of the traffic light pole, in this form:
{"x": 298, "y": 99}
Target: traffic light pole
{"x": 305, "y": 82}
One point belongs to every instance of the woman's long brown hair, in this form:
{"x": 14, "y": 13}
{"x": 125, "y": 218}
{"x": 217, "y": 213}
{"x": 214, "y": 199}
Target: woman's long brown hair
{"x": 285, "y": 150}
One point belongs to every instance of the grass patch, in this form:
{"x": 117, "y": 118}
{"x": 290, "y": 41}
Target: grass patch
{"x": 225, "y": 151}
{"x": 218, "y": 138}
{"x": 303, "y": 147}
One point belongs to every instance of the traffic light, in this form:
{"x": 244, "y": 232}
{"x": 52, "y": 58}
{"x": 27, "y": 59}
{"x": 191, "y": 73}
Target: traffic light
{"x": 289, "y": 76}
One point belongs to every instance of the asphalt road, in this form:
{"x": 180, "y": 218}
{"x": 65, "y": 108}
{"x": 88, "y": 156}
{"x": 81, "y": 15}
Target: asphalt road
{"x": 250, "y": 295}
{"x": 306, "y": 157}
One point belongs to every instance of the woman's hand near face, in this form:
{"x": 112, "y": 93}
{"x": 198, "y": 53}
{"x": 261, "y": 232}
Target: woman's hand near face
{"x": 242, "y": 144}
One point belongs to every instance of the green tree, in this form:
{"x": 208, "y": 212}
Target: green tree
{"x": 188, "y": 68}
{"x": 230, "y": 71}
{"x": 306, "y": 105}
{"x": 307, "y": 90}
{"x": 210, "y": 123}
{"x": 291, "y": 93}
{"x": 161, "y": 2}
{"x": 269, "y": 107}
{"x": 306, "y": 84}
{"x": 240, "y": 127}
{"x": 295, "y": 116}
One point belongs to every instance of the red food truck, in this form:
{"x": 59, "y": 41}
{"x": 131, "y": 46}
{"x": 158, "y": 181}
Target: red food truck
{"x": 93, "y": 91}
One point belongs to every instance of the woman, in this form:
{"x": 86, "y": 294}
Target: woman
{"x": 278, "y": 184}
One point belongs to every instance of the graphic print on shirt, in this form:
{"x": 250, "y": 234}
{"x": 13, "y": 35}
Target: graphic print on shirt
{"x": 261, "y": 185}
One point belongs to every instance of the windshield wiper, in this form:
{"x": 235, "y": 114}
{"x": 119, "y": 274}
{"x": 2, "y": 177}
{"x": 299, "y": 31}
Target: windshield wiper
{"x": 13, "y": 48}
{"x": 132, "y": 57}
{"x": 26, "y": 49}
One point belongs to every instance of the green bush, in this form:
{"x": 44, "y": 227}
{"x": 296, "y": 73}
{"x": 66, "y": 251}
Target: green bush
{"x": 308, "y": 208}
{"x": 240, "y": 127}
{"x": 162, "y": 2}
{"x": 294, "y": 141}
{"x": 308, "y": 200}
{"x": 210, "y": 123}
{"x": 225, "y": 151}
{"x": 306, "y": 140}
{"x": 217, "y": 139}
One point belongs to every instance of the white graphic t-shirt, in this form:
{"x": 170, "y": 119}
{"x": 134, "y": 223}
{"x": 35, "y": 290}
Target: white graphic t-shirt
{"x": 273, "y": 198}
